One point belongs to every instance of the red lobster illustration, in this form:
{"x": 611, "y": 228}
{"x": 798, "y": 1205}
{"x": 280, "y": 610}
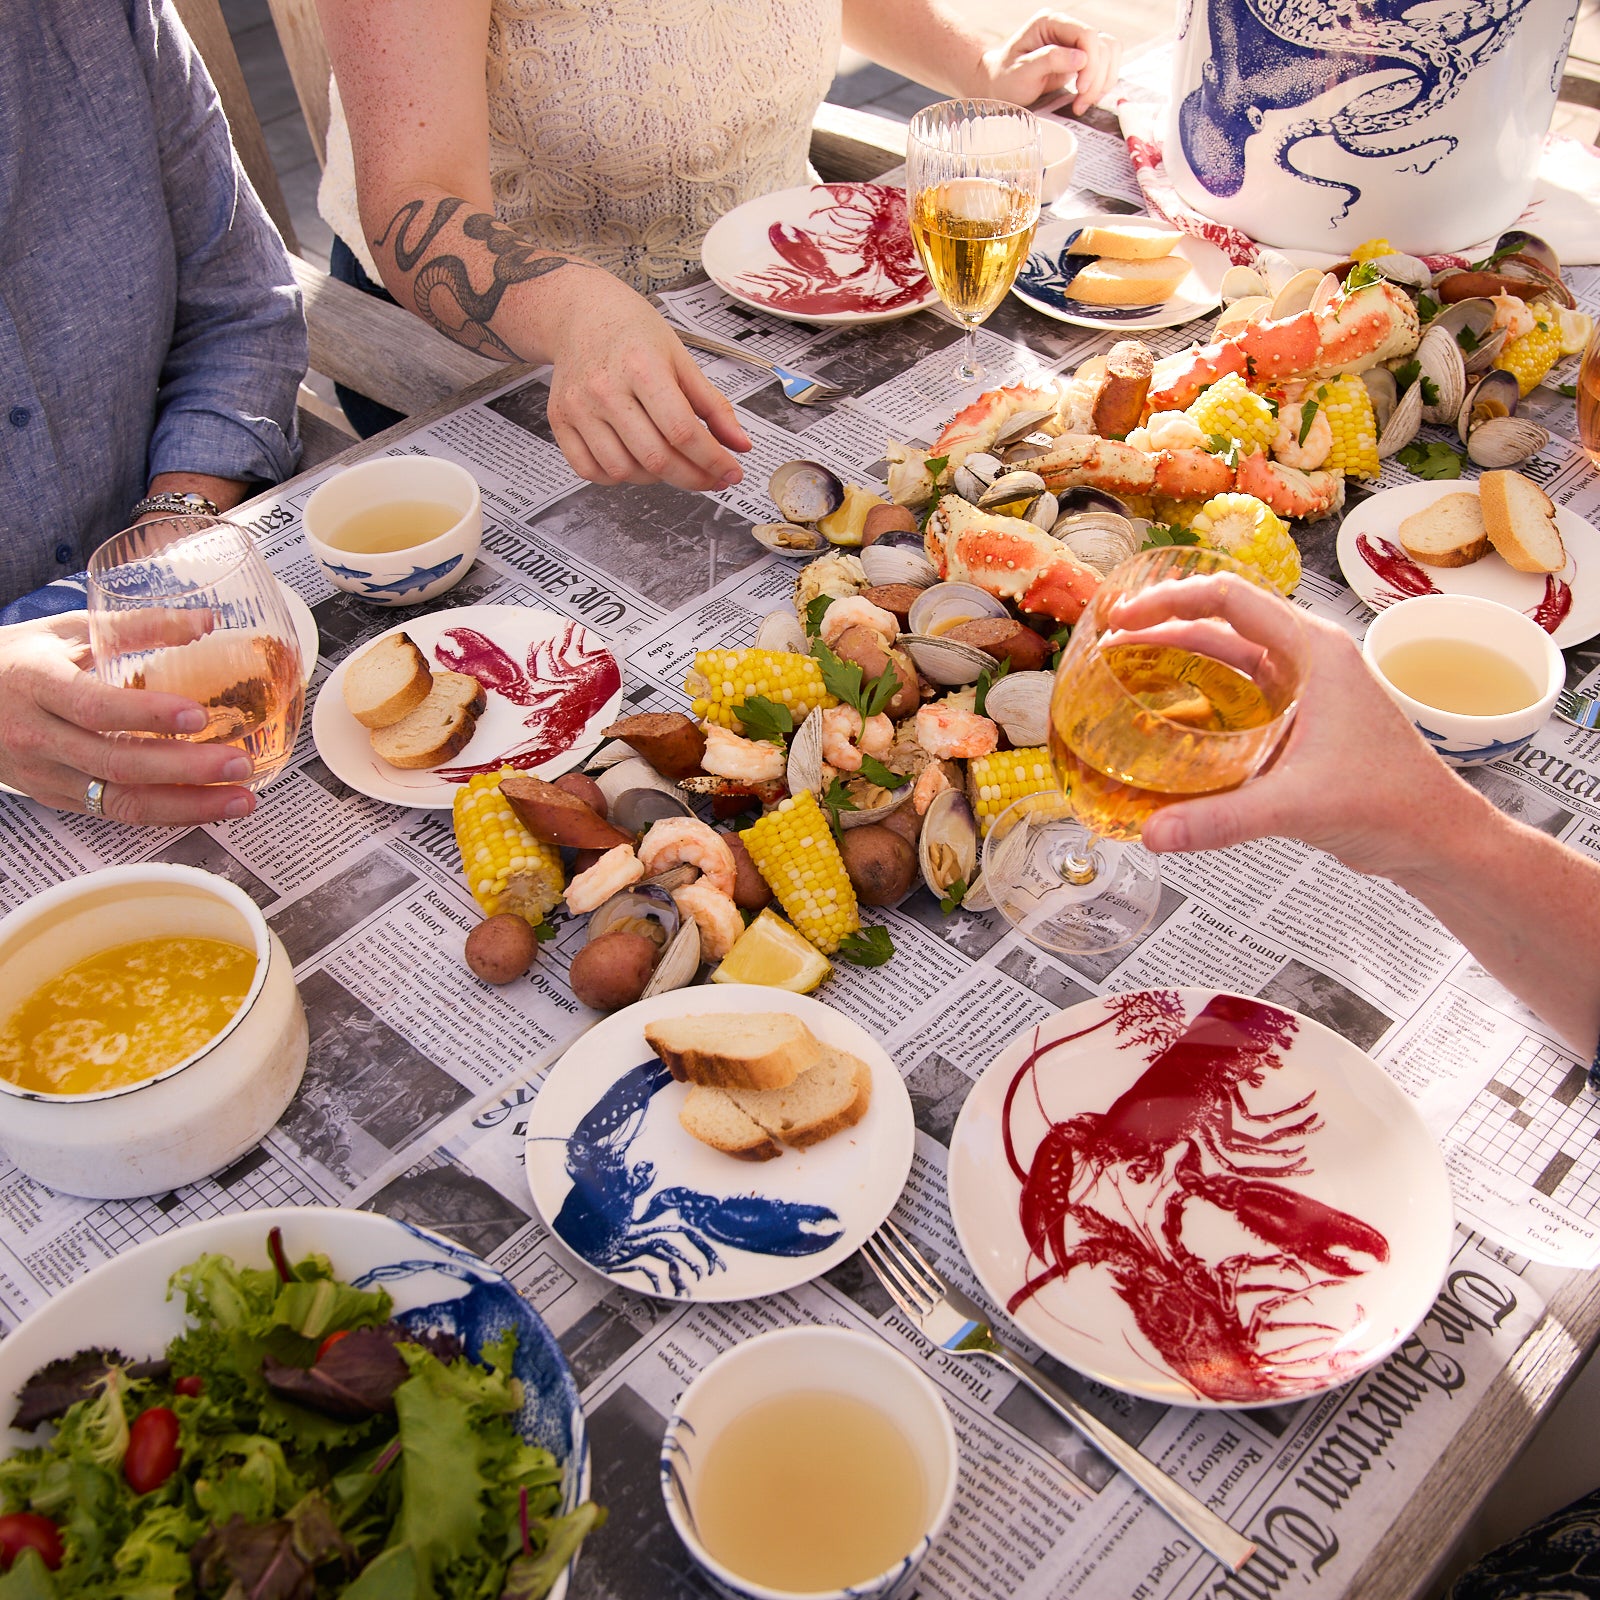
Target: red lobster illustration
{"x": 863, "y": 221}
{"x": 1186, "y": 1131}
{"x": 568, "y": 679}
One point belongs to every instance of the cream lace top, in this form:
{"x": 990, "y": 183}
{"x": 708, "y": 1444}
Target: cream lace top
{"x": 621, "y": 130}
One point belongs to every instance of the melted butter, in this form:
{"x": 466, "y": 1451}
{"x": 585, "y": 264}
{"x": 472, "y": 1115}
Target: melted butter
{"x": 124, "y": 1015}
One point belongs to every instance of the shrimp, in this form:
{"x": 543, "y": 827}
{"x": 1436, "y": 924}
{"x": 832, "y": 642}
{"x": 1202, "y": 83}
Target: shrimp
{"x": 715, "y": 915}
{"x": 933, "y": 782}
{"x": 1511, "y": 314}
{"x": 614, "y": 871}
{"x": 686, "y": 841}
{"x": 727, "y": 755}
{"x": 840, "y": 727}
{"x": 858, "y": 613}
{"x": 876, "y": 737}
{"x": 1168, "y": 430}
{"x": 1290, "y": 448}
{"x": 945, "y": 730}
{"x": 1287, "y": 490}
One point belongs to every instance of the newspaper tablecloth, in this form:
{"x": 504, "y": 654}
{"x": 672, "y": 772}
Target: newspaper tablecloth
{"x": 414, "y": 1099}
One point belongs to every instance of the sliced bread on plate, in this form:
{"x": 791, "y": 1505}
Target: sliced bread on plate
{"x": 735, "y": 1050}
{"x": 713, "y": 1118}
{"x": 1126, "y": 241}
{"x": 387, "y": 681}
{"x": 1128, "y": 283}
{"x": 439, "y": 728}
{"x": 1448, "y": 533}
{"x": 1521, "y": 522}
{"x": 834, "y": 1094}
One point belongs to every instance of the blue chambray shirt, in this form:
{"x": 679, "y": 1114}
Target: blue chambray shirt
{"x": 149, "y": 321}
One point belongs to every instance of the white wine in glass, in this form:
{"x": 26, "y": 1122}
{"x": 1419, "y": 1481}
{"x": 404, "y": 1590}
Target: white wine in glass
{"x": 973, "y": 169}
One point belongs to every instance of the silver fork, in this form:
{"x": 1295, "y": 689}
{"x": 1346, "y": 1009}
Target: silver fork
{"x": 1583, "y": 709}
{"x": 797, "y": 386}
{"x": 956, "y": 1323}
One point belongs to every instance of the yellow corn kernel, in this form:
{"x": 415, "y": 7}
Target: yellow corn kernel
{"x": 1530, "y": 356}
{"x": 722, "y": 680}
{"x": 1347, "y": 404}
{"x": 1242, "y": 527}
{"x": 507, "y": 869}
{"x": 1229, "y": 408}
{"x": 994, "y": 782}
{"x": 1175, "y": 513}
{"x": 794, "y": 851}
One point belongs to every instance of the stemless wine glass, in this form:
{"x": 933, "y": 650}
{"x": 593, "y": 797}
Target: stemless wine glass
{"x": 973, "y": 169}
{"x": 185, "y": 605}
{"x": 1179, "y": 680}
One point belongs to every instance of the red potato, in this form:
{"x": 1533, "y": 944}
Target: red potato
{"x": 500, "y": 949}
{"x": 671, "y": 742}
{"x": 1005, "y": 640}
{"x": 586, "y": 789}
{"x": 558, "y": 817}
{"x": 886, "y": 519}
{"x": 881, "y": 864}
{"x": 866, "y": 649}
{"x": 610, "y": 972}
{"x": 750, "y": 890}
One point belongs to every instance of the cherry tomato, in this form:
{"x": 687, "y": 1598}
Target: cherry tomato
{"x": 152, "y": 1453}
{"x": 191, "y": 1385}
{"x": 332, "y": 1339}
{"x": 27, "y": 1530}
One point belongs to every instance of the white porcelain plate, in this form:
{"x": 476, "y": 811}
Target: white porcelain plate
{"x": 1045, "y": 285}
{"x": 1200, "y": 1198}
{"x": 551, "y": 684}
{"x": 1566, "y": 603}
{"x": 832, "y": 252}
{"x": 122, "y": 1305}
{"x": 624, "y": 1187}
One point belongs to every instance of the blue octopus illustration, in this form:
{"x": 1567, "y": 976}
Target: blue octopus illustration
{"x": 611, "y": 1219}
{"x": 1275, "y": 55}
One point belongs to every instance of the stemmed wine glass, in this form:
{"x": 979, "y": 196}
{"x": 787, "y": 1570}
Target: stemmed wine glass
{"x": 973, "y": 169}
{"x": 185, "y": 605}
{"x": 1179, "y": 680}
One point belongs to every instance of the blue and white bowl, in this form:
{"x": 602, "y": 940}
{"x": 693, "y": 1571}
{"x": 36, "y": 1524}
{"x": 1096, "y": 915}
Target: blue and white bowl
{"x": 435, "y": 1285}
{"x": 1459, "y": 739}
{"x": 809, "y": 1359}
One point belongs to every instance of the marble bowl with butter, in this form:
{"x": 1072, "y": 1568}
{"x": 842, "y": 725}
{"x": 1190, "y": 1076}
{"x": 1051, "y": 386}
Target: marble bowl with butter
{"x": 192, "y": 1118}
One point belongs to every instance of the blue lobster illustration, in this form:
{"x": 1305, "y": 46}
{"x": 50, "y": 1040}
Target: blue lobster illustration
{"x": 611, "y": 1219}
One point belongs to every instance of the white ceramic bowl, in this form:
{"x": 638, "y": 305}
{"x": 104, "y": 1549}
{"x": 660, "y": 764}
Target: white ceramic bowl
{"x": 1463, "y": 740}
{"x": 1058, "y": 144}
{"x": 859, "y": 1365}
{"x": 396, "y": 577}
{"x": 434, "y": 1284}
{"x": 194, "y": 1118}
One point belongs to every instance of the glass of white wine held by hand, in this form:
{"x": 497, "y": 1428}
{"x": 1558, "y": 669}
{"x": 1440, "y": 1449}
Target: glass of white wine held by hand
{"x": 186, "y": 606}
{"x": 1179, "y": 680}
{"x": 973, "y": 169}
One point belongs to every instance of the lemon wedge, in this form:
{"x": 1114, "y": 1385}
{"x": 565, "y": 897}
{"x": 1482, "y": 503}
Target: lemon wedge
{"x": 1574, "y": 328}
{"x": 771, "y": 952}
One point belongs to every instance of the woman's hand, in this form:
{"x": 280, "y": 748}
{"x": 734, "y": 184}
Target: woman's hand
{"x": 57, "y": 727}
{"x": 1050, "y": 53}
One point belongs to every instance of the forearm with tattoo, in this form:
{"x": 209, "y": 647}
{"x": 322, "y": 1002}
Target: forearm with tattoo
{"x": 442, "y": 291}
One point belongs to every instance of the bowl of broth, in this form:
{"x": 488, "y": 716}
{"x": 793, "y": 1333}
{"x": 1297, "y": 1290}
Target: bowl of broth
{"x": 1476, "y": 678}
{"x": 396, "y": 530}
{"x": 810, "y": 1461}
{"x": 150, "y": 1030}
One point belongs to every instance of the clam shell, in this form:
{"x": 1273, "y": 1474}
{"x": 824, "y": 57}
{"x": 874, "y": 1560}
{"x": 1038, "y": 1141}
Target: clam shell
{"x": 1243, "y": 312}
{"x": 1440, "y": 358}
{"x": 609, "y": 754}
{"x": 787, "y": 538}
{"x": 1474, "y": 317}
{"x": 805, "y": 491}
{"x": 1044, "y": 511}
{"x": 1016, "y": 485}
{"x": 984, "y": 467}
{"x": 1504, "y": 441}
{"x": 679, "y": 964}
{"x": 637, "y": 795}
{"x": 884, "y": 562}
{"x": 1021, "y": 424}
{"x": 1404, "y": 420}
{"x": 967, "y": 484}
{"x": 1083, "y": 498}
{"x": 1243, "y": 283}
{"x": 633, "y": 772}
{"x": 1297, "y": 294}
{"x": 1020, "y": 703}
{"x": 892, "y": 801}
{"x": 805, "y": 756}
{"x": 945, "y": 604}
{"x": 947, "y": 848}
{"x": 672, "y": 878}
{"x": 781, "y": 630}
{"x": 1019, "y": 455}
{"x": 1275, "y": 267}
{"x": 946, "y": 661}
{"x": 1409, "y": 272}
{"x": 1492, "y": 397}
{"x": 1532, "y": 246}
{"x": 651, "y": 900}
{"x": 1101, "y": 538}
{"x": 1383, "y": 391}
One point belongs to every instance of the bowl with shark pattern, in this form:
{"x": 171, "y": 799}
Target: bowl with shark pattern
{"x": 396, "y": 530}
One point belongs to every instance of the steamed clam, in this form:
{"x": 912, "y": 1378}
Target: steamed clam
{"x": 898, "y": 558}
{"x": 787, "y": 538}
{"x": 1020, "y": 703}
{"x": 947, "y": 848}
{"x": 1469, "y": 323}
{"x": 781, "y": 630}
{"x": 1101, "y": 539}
{"x": 1439, "y": 357}
{"x": 975, "y": 474}
{"x": 805, "y": 491}
{"x": 1489, "y": 427}
{"x": 1020, "y": 493}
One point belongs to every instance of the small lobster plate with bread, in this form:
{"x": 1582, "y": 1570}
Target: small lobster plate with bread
{"x": 412, "y": 715}
{"x": 719, "y": 1143}
{"x": 1109, "y": 271}
{"x": 1462, "y": 536}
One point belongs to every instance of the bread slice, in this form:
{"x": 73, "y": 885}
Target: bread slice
{"x": 438, "y": 729}
{"x": 1128, "y": 283}
{"x": 715, "y": 1120}
{"x": 834, "y": 1094}
{"x": 1520, "y": 520}
{"x": 735, "y": 1049}
{"x": 387, "y": 681}
{"x": 1126, "y": 241}
{"x": 1448, "y": 533}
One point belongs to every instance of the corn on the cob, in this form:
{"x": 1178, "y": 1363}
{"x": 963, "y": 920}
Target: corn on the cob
{"x": 1371, "y": 249}
{"x": 1244, "y": 528}
{"x": 722, "y": 680}
{"x": 1347, "y": 404}
{"x": 794, "y": 851}
{"x": 1175, "y": 513}
{"x": 507, "y": 868}
{"x": 995, "y": 781}
{"x": 1531, "y": 355}
{"x": 1229, "y": 408}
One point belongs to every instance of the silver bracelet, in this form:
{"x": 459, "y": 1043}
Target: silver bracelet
{"x": 168, "y": 504}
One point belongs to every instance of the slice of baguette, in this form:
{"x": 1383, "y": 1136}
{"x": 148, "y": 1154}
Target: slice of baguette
{"x": 1126, "y": 241}
{"x": 735, "y": 1050}
{"x": 1448, "y": 533}
{"x": 387, "y": 681}
{"x": 438, "y": 729}
{"x": 1520, "y": 520}
{"x": 833, "y": 1095}
{"x": 1128, "y": 283}
{"x": 715, "y": 1120}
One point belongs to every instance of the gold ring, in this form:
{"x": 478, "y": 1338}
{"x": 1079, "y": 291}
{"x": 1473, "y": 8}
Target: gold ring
{"x": 94, "y": 797}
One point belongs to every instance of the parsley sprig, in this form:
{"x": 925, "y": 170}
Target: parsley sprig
{"x": 867, "y": 947}
{"x": 762, "y": 718}
{"x": 844, "y": 681}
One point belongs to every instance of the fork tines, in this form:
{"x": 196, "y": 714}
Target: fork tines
{"x": 913, "y": 1284}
